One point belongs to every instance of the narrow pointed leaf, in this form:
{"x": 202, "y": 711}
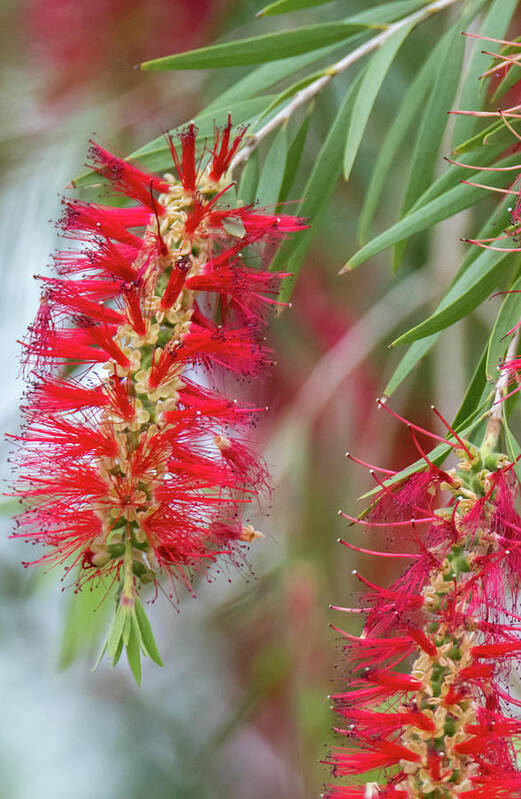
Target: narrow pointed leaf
{"x": 410, "y": 104}
{"x": 86, "y": 617}
{"x": 410, "y": 360}
{"x": 466, "y": 294}
{"x": 272, "y": 173}
{"x": 441, "y": 207}
{"x": 156, "y": 154}
{"x": 134, "y": 652}
{"x": 249, "y": 180}
{"x": 259, "y": 49}
{"x": 512, "y": 76}
{"x": 319, "y": 188}
{"x": 284, "y": 6}
{"x": 495, "y": 24}
{"x": 295, "y": 151}
{"x": 513, "y": 448}
{"x": 266, "y": 75}
{"x": 116, "y": 632}
{"x": 433, "y": 124}
{"x": 366, "y": 95}
{"x": 475, "y": 395}
{"x": 147, "y": 636}
{"x": 509, "y": 315}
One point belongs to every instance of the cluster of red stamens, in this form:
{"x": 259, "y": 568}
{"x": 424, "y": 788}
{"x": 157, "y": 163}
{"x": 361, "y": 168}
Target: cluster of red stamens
{"x": 427, "y": 704}
{"x": 133, "y": 460}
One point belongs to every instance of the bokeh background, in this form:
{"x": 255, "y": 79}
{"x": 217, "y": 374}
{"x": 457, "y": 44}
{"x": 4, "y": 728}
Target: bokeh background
{"x": 240, "y": 708}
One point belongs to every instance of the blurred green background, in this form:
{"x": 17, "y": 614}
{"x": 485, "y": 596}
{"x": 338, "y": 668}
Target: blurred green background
{"x": 240, "y": 709}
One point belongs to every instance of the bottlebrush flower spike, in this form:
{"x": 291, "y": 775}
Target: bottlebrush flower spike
{"x": 132, "y": 463}
{"x": 427, "y": 703}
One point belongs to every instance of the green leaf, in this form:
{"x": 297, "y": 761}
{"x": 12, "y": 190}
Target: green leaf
{"x": 259, "y": 49}
{"x": 295, "y": 151}
{"x": 273, "y": 171}
{"x": 249, "y": 180}
{"x": 116, "y": 631}
{"x": 418, "y": 349}
{"x": 86, "y": 616}
{"x": 156, "y": 154}
{"x": 512, "y": 76}
{"x": 147, "y": 636}
{"x": 495, "y": 24}
{"x": 494, "y": 134}
{"x": 513, "y": 448}
{"x": 441, "y": 207}
{"x": 408, "y": 108}
{"x": 412, "y": 357}
{"x": 466, "y": 294}
{"x": 284, "y": 6}
{"x": 262, "y": 77}
{"x": 366, "y": 95}
{"x": 508, "y": 316}
{"x": 474, "y": 396}
{"x": 433, "y": 124}
{"x": 133, "y": 651}
{"x": 319, "y": 188}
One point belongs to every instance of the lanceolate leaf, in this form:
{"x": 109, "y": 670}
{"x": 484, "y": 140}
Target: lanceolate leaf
{"x": 441, "y": 207}
{"x": 410, "y": 360}
{"x": 156, "y": 154}
{"x": 511, "y": 77}
{"x": 295, "y": 151}
{"x": 412, "y": 100}
{"x": 508, "y": 316}
{"x": 433, "y": 123}
{"x": 418, "y": 349}
{"x": 319, "y": 189}
{"x": 263, "y": 77}
{"x": 366, "y": 96}
{"x": 249, "y": 179}
{"x": 495, "y": 24}
{"x": 466, "y": 293}
{"x": 273, "y": 171}
{"x": 259, "y": 49}
{"x": 475, "y": 395}
{"x": 283, "y": 6}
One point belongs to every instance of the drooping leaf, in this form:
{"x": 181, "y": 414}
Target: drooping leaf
{"x": 156, "y": 155}
{"x": 284, "y": 6}
{"x": 475, "y": 394}
{"x": 86, "y": 617}
{"x": 410, "y": 360}
{"x": 418, "y": 349}
{"x": 116, "y": 631}
{"x": 319, "y": 188}
{"x": 273, "y": 170}
{"x": 366, "y": 95}
{"x": 441, "y": 207}
{"x": 513, "y": 448}
{"x": 249, "y": 180}
{"x": 433, "y": 124}
{"x": 466, "y": 294}
{"x": 295, "y": 151}
{"x": 261, "y": 78}
{"x": 495, "y": 24}
{"x": 402, "y": 121}
{"x": 259, "y": 49}
{"x": 134, "y": 650}
{"x": 512, "y": 76}
{"x": 147, "y": 636}
{"x": 508, "y": 316}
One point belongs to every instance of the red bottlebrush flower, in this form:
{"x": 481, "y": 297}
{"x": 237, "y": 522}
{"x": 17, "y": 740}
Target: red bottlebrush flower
{"x": 441, "y": 724}
{"x": 133, "y": 466}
